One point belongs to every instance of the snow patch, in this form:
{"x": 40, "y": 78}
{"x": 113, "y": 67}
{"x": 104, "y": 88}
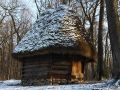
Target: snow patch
{"x": 12, "y": 82}
{"x": 97, "y": 86}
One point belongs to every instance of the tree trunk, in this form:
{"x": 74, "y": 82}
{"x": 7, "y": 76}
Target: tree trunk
{"x": 100, "y": 41}
{"x": 63, "y": 1}
{"x": 114, "y": 33}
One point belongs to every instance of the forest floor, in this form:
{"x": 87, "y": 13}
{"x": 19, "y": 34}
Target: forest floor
{"x": 15, "y": 85}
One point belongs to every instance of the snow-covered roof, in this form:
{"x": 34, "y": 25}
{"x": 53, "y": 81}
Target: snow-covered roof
{"x": 60, "y": 27}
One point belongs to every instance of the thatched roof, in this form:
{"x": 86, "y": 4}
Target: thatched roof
{"x": 56, "y": 31}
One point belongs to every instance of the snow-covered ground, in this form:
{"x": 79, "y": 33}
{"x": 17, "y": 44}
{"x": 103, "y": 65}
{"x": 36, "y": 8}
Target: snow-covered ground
{"x": 15, "y": 85}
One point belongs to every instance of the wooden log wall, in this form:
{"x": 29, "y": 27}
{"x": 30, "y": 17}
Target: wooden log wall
{"x": 46, "y": 71}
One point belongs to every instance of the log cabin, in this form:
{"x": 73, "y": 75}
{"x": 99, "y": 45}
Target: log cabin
{"x": 56, "y": 48}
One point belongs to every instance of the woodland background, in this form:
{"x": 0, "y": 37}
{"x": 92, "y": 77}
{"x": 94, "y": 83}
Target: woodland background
{"x": 16, "y": 19}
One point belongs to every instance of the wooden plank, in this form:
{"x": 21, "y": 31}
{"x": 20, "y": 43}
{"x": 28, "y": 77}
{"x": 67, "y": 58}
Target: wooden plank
{"x": 62, "y": 69}
{"x": 60, "y": 66}
{"x": 35, "y": 77}
{"x": 59, "y": 72}
{"x": 44, "y": 69}
{"x": 58, "y": 76}
{"x": 61, "y": 63}
{"x": 37, "y": 62}
{"x": 34, "y": 66}
{"x": 35, "y": 74}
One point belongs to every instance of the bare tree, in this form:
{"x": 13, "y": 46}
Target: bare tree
{"x": 100, "y": 41}
{"x": 15, "y": 21}
{"x": 114, "y": 33}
